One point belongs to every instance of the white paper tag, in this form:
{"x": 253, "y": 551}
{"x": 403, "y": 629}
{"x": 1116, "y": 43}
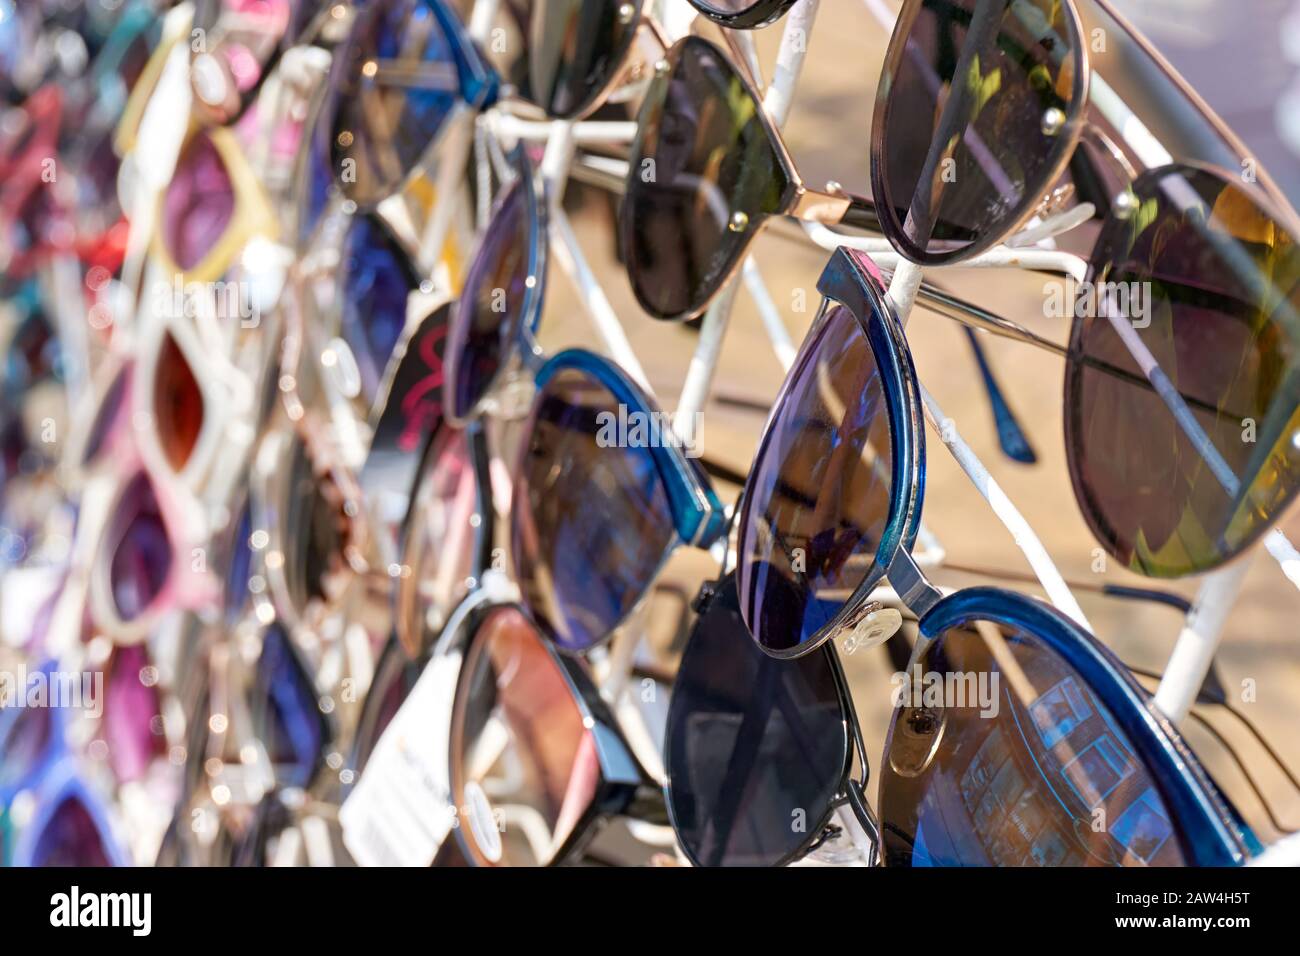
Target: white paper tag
{"x": 400, "y": 810}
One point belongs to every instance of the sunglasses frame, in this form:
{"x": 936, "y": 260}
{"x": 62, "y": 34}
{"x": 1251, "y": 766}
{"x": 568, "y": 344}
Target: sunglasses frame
{"x": 758, "y": 14}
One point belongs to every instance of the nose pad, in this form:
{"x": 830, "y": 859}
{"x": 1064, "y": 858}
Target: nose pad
{"x": 916, "y": 739}
{"x": 870, "y": 625}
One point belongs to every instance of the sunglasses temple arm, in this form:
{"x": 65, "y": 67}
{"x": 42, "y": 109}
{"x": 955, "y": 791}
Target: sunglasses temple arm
{"x": 1011, "y": 437}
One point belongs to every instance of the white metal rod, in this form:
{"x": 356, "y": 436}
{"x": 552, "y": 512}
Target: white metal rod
{"x": 1194, "y": 652}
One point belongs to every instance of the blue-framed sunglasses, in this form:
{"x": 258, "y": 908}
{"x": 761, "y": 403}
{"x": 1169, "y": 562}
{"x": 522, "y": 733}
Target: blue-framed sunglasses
{"x": 406, "y": 72}
{"x": 603, "y": 493}
{"x": 494, "y": 329}
{"x": 831, "y": 508}
{"x": 68, "y": 825}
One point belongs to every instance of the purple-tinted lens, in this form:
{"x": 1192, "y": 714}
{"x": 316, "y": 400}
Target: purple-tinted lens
{"x": 820, "y": 492}
{"x": 25, "y": 738}
{"x": 1017, "y": 767}
{"x": 132, "y": 713}
{"x": 591, "y": 521}
{"x": 71, "y": 837}
{"x": 198, "y": 204}
{"x": 753, "y": 743}
{"x": 704, "y": 176}
{"x": 286, "y": 715}
{"x": 141, "y": 554}
{"x": 1179, "y": 470}
{"x": 977, "y": 109}
{"x": 375, "y": 282}
{"x": 394, "y": 83}
{"x": 107, "y": 413}
{"x": 490, "y": 311}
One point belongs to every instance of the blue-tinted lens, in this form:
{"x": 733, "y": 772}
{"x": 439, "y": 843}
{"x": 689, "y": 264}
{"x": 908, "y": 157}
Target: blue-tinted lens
{"x": 141, "y": 553}
{"x": 488, "y": 316}
{"x": 999, "y": 754}
{"x": 241, "y": 565}
{"x": 818, "y": 497}
{"x": 756, "y": 748}
{"x": 25, "y": 739}
{"x": 591, "y": 522}
{"x": 395, "y": 83}
{"x": 376, "y": 280}
{"x": 286, "y": 716}
{"x": 71, "y": 836}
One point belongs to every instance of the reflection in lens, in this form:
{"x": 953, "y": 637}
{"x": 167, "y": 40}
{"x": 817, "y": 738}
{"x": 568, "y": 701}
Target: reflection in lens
{"x": 490, "y": 311}
{"x": 441, "y": 540}
{"x": 974, "y": 120}
{"x": 141, "y": 554}
{"x": 393, "y": 86}
{"x": 999, "y": 754}
{"x": 177, "y": 404}
{"x": 705, "y": 174}
{"x": 524, "y": 766}
{"x": 575, "y": 50}
{"x": 198, "y": 204}
{"x": 591, "y": 523}
{"x": 820, "y": 492}
{"x": 1179, "y": 470}
{"x": 753, "y": 744}
{"x": 376, "y": 278}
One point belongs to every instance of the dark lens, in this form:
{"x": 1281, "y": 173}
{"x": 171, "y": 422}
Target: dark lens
{"x": 704, "y": 176}
{"x": 977, "y": 109}
{"x": 743, "y": 14}
{"x": 524, "y": 766}
{"x": 141, "y": 552}
{"x": 756, "y": 748}
{"x": 999, "y": 754}
{"x": 240, "y": 566}
{"x": 576, "y": 49}
{"x": 1179, "y": 471}
{"x": 71, "y": 837}
{"x": 591, "y": 520}
{"x": 286, "y": 716}
{"x": 375, "y": 282}
{"x": 132, "y": 725}
{"x": 441, "y": 541}
{"x": 177, "y": 404}
{"x": 820, "y": 492}
{"x": 395, "y": 675}
{"x": 394, "y": 84}
{"x": 198, "y": 204}
{"x": 490, "y": 311}
{"x": 240, "y": 40}
{"x": 315, "y": 530}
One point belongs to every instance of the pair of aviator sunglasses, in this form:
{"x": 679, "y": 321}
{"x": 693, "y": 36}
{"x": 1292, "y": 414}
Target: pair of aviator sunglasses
{"x": 603, "y": 493}
{"x": 983, "y": 109}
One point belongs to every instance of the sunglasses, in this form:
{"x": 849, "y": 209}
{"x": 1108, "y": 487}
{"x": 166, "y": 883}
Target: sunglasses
{"x": 743, "y": 14}
{"x": 759, "y": 751}
{"x": 236, "y": 45}
{"x": 494, "y": 329}
{"x": 406, "y": 74}
{"x": 537, "y": 760}
{"x": 603, "y": 494}
{"x": 66, "y": 822}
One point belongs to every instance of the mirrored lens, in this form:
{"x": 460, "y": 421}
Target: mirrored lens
{"x": 140, "y": 552}
{"x": 820, "y": 492}
{"x": 376, "y": 279}
{"x": 286, "y": 716}
{"x": 177, "y": 404}
{"x": 442, "y": 538}
{"x": 756, "y": 748}
{"x": 977, "y": 109}
{"x": 704, "y": 175}
{"x": 394, "y": 84}
{"x": 198, "y": 204}
{"x": 524, "y": 765}
{"x": 1182, "y": 392}
{"x": 591, "y": 522}
{"x": 576, "y": 49}
{"x": 489, "y": 315}
{"x": 1000, "y": 754}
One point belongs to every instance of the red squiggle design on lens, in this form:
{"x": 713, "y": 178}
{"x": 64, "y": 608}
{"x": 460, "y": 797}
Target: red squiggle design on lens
{"x": 422, "y": 405}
